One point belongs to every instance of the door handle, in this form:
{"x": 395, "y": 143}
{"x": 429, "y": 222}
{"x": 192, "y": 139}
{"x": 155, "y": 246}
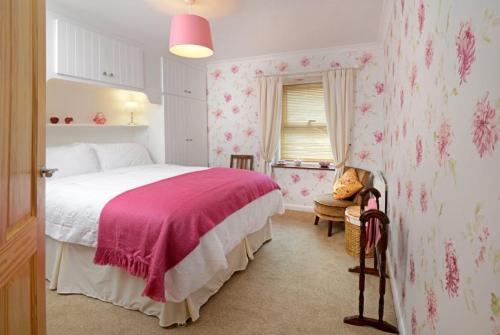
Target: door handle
{"x": 47, "y": 173}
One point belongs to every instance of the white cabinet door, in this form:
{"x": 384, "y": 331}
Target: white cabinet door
{"x": 109, "y": 60}
{"x": 197, "y": 132}
{"x": 88, "y": 55}
{"x": 173, "y": 77}
{"x": 186, "y": 134}
{"x": 135, "y": 69}
{"x": 176, "y": 138}
{"x": 77, "y": 51}
{"x": 184, "y": 80}
{"x": 195, "y": 83}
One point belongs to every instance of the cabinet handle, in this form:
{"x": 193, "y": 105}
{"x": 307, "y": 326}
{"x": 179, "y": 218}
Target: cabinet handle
{"x": 105, "y": 73}
{"x": 111, "y": 74}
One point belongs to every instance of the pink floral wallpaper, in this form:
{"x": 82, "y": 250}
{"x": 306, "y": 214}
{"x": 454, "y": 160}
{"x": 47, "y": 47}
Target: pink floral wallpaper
{"x": 233, "y": 112}
{"x": 442, "y": 161}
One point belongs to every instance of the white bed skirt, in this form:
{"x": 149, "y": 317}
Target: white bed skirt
{"x": 70, "y": 269}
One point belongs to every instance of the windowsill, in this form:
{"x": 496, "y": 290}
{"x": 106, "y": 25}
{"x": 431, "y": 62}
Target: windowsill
{"x": 304, "y": 166}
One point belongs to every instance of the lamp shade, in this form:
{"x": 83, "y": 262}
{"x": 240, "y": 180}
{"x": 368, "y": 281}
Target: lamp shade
{"x": 190, "y": 36}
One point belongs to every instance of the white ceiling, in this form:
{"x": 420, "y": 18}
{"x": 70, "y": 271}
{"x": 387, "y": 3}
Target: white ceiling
{"x": 240, "y": 28}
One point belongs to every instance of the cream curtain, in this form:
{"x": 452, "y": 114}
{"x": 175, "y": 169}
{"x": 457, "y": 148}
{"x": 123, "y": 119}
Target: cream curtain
{"x": 338, "y": 88}
{"x": 271, "y": 94}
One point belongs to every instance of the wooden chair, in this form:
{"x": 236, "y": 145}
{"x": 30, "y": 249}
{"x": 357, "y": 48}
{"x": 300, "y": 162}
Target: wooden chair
{"x": 332, "y": 210}
{"x": 244, "y": 162}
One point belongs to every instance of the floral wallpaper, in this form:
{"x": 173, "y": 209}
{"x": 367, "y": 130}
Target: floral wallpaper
{"x": 233, "y": 112}
{"x": 442, "y": 162}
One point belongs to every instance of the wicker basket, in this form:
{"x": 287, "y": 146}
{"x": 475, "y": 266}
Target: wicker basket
{"x": 352, "y": 232}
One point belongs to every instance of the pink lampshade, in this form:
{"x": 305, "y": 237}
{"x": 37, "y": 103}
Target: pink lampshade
{"x": 190, "y": 36}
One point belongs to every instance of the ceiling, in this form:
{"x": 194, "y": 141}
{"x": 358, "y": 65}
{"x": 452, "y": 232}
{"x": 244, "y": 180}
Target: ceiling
{"x": 240, "y": 28}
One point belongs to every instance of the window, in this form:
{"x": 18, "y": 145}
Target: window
{"x": 304, "y": 133}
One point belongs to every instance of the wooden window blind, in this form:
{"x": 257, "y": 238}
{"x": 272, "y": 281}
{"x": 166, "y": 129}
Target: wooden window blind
{"x": 304, "y": 132}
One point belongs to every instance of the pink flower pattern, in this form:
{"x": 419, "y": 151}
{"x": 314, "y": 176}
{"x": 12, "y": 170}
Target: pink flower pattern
{"x": 452, "y": 274}
{"x": 484, "y": 128}
{"x": 413, "y": 322}
{"x": 424, "y": 198}
{"x": 235, "y": 69}
{"x": 466, "y": 50}
{"x": 282, "y": 67}
{"x": 365, "y": 59}
{"x": 295, "y": 178}
{"x": 248, "y": 92}
{"x": 334, "y": 64}
{"x": 229, "y": 136}
{"x": 421, "y": 16}
{"x": 305, "y": 61}
{"x": 228, "y": 97}
{"x": 378, "y": 136}
{"x": 235, "y": 110}
{"x": 409, "y": 191}
{"x": 412, "y": 270}
{"x": 248, "y": 132}
{"x": 379, "y": 88}
{"x": 364, "y": 155}
{"x": 419, "y": 150}
{"x": 413, "y": 77}
{"x": 365, "y": 108}
{"x": 443, "y": 141}
{"x": 429, "y": 53}
{"x": 432, "y": 311}
{"x": 216, "y": 74}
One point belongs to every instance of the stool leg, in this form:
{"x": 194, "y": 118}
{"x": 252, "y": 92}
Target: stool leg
{"x": 330, "y": 227}
{"x": 316, "y": 220}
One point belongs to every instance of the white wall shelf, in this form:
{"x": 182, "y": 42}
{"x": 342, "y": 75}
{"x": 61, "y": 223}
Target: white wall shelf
{"x": 95, "y": 125}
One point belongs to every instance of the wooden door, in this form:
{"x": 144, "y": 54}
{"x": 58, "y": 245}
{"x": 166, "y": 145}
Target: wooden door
{"x": 22, "y": 131}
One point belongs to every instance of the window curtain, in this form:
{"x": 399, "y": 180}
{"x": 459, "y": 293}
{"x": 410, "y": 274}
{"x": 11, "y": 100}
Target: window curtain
{"x": 271, "y": 100}
{"x": 338, "y": 88}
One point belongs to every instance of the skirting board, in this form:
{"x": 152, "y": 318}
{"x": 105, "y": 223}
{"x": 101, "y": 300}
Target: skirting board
{"x": 395, "y": 296}
{"x": 299, "y": 208}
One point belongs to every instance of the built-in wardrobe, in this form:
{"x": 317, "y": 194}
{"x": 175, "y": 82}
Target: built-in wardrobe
{"x": 184, "y": 100}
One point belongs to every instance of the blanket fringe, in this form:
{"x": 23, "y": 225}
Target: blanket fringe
{"x": 132, "y": 265}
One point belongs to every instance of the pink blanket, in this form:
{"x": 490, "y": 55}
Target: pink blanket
{"x": 148, "y": 230}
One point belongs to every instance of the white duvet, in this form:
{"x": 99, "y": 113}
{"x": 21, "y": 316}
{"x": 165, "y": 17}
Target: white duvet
{"x": 74, "y": 204}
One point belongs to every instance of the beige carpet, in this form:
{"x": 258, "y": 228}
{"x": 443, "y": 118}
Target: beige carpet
{"x": 297, "y": 284}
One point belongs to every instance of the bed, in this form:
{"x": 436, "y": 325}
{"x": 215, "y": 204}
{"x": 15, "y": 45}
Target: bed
{"x": 74, "y": 202}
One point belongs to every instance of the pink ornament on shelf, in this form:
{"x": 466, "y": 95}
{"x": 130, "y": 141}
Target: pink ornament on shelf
{"x": 99, "y": 118}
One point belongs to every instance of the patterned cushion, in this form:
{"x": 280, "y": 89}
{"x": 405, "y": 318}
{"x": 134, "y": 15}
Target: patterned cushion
{"x": 347, "y": 185}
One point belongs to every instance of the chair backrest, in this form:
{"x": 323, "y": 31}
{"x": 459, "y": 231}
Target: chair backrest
{"x": 244, "y": 162}
{"x": 365, "y": 177}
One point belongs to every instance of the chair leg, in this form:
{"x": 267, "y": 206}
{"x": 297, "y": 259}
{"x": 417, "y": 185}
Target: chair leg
{"x": 316, "y": 220}
{"x": 330, "y": 227}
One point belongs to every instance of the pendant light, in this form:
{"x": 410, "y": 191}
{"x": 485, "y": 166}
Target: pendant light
{"x": 190, "y": 36}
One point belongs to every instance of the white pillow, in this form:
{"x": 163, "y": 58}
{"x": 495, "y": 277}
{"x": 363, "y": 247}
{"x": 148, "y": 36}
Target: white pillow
{"x": 118, "y": 155}
{"x": 72, "y": 159}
